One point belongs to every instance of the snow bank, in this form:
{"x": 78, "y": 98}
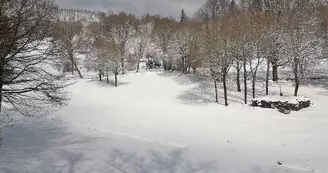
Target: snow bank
{"x": 289, "y": 99}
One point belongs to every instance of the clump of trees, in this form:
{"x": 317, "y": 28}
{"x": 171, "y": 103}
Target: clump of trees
{"x": 225, "y": 34}
{"x": 280, "y": 33}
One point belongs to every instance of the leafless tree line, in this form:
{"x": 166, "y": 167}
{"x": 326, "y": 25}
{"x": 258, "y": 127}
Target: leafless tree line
{"x": 245, "y": 35}
{"x": 221, "y": 36}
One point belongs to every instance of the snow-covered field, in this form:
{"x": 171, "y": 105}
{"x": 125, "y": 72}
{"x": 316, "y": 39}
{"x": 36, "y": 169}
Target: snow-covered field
{"x": 156, "y": 122}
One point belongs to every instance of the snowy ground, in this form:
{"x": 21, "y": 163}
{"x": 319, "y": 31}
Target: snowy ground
{"x": 157, "y": 123}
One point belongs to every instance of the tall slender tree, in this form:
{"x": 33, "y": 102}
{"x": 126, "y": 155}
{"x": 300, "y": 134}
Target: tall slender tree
{"x": 183, "y": 16}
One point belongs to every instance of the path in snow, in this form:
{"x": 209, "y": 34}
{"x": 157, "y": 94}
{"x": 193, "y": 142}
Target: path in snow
{"x": 148, "y": 124}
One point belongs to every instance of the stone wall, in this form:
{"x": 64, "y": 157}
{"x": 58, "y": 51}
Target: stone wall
{"x": 282, "y": 105}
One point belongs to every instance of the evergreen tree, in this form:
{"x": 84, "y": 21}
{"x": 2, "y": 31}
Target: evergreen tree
{"x": 183, "y": 16}
{"x": 256, "y": 6}
{"x": 232, "y": 7}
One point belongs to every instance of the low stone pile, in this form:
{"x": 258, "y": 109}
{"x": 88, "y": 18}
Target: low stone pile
{"x": 283, "y": 104}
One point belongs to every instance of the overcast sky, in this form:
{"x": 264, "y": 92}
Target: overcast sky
{"x": 138, "y": 7}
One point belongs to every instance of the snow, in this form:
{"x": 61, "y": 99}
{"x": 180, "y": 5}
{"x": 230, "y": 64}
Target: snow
{"x": 156, "y": 122}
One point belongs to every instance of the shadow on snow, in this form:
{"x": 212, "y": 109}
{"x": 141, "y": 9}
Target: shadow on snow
{"x": 50, "y": 148}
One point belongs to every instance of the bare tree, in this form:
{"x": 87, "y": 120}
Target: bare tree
{"x": 302, "y": 43}
{"x": 259, "y": 26}
{"x": 213, "y": 9}
{"x": 68, "y": 42}
{"x": 105, "y": 55}
{"x": 217, "y": 40}
{"x": 164, "y": 29}
{"x": 194, "y": 59}
{"x": 110, "y": 58}
{"x": 26, "y": 84}
{"x": 143, "y": 31}
{"x": 120, "y": 28}
{"x": 95, "y": 37}
{"x": 245, "y": 46}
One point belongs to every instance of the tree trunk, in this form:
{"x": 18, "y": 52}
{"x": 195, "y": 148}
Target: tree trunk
{"x": 164, "y": 65}
{"x": 78, "y": 71}
{"x": 297, "y": 77}
{"x": 123, "y": 70}
{"x": 238, "y": 79}
{"x": 122, "y": 58}
{"x": 225, "y": 90}
{"x": 267, "y": 78}
{"x": 297, "y": 85}
{"x": 182, "y": 65}
{"x": 107, "y": 76}
{"x": 72, "y": 63}
{"x": 100, "y": 77}
{"x": 245, "y": 81}
{"x": 216, "y": 91}
{"x": 115, "y": 79}
{"x": 138, "y": 64}
{"x": 253, "y": 86}
{"x": 1, "y": 84}
{"x": 254, "y": 76}
{"x": 275, "y": 72}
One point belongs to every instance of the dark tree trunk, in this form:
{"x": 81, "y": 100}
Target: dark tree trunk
{"x": 72, "y": 64}
{"x": 238, "y": 79}
{"x": 100, "y": 77}
{"x": 253, "y": 86}
{"x": 78, "y": 70}
{"x": 267, "y": 78}
{"x": 122, "y": 59}
{"x": 1, "y": 84}
{"x": 216, "y": 91}
{"x": 297, "y": 77}
{"x": 183, "y": 65}
{"x": 123, "y": 70}
{"x": 275, "y": 72}
{"x": 297, "y": 85}
{"x": 107, "y": 76}
{"x": 165, "y": 65}
{"x": 245, "y": 81}
{"x": 115, "y": 79}
{"x": 225, "y": 90}
{"x": 138, "y": 64}
{"x": 254, "y": 77}
{"x": 71, "y": 57}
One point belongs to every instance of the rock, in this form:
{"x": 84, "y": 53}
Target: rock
{"x": 284, "y": 111}
{"x": 283, "y": 104}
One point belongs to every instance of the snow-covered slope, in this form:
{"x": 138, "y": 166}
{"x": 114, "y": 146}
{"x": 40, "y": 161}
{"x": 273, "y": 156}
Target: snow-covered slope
{"x": 153, "y": 123}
